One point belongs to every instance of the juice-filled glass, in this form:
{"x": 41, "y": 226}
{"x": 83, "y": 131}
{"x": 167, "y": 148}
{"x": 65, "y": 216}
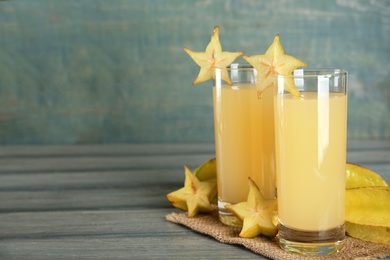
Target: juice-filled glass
{"x": 310, "y": 135}
{"x": 244, "y": 138}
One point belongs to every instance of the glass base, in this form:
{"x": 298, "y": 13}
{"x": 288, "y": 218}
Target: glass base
{"x": 226, "y": 217}
{"x": 311, "y": 243}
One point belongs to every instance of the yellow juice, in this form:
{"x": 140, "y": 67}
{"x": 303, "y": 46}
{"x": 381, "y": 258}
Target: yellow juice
{"x": 244, "y": 138}
{"x": 311, "y": 159}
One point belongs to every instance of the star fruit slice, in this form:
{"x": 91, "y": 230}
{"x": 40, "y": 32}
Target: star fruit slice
{"x": 257, "y": 213}
{"x": 207, "y": 171}
{"x": 274, "y": 62}
{"x": 368, "y": 206}
{"x": 368, "y": 233}
{"x": 195, "y": 196}
{"x": 213, "y": 57}
{"x": 359, "y": 176}
{"x": 367, "y": 214}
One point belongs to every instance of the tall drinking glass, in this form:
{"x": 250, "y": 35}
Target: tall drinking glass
{"x": 244, "y": 138}
{"x": 310, "y": 160}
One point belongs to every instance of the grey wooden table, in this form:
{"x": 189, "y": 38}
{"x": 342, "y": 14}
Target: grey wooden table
{"x": 108, "y": 201}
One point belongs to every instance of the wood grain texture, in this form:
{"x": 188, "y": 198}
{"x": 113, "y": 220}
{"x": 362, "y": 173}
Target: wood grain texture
{"x": 108, "y": 201}
{"x": 98, "y": 71}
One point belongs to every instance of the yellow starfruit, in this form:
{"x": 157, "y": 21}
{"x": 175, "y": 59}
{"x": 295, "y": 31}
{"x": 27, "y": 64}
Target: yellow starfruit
{"x": 257, "y": 213}
{"x": 359, "y": 176}
{"x": 274, "y": 62}
{"x": 195, "y": 196}
{"x": 213, "y": 57}
{"x": 367, "y": 213}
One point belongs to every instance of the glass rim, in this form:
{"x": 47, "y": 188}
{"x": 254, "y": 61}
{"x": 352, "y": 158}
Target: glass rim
{"x": 298, "y": 73}
{"x": 316, "y": 72}
{"x": 239, "y": 66}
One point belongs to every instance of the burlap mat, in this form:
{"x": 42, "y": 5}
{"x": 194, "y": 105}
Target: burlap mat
{"x": 210, "y": 225}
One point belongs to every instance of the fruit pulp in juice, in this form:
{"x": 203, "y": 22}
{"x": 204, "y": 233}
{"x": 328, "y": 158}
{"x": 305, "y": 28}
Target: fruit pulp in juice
{"x": 244, "y": 138}
{"x": 311, "y": 160}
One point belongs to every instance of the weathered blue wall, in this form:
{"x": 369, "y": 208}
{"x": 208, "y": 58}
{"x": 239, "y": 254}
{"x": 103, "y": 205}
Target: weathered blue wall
{"x": 98, "y": 71}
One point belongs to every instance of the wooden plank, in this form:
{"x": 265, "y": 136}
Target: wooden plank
{"x": 47, "y": 201}
{"x": 104, "y": 150}
{"x": 110, "y": 204}
{"x": 131, "y": 222}
{"x": 89, "y": 180}
{"x": 129, "y": 234}
{"x": 33, "y": 151}
{"x": 95, "y": 199}
{"x": 97, "y": 196}
{"x": 100, "y": 163}
{"x": 87, "y": 190}
{"x": 86, "y": 182}
{"x": 111, "y": 179}
{"x": 158, "y": 246}
{"x": 120, "y": 162}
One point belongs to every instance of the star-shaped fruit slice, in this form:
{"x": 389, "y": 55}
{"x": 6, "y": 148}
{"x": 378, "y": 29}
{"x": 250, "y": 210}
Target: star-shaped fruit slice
{"x": 274, "y": 62}
{"x": 213, "y": 58}
{"x": 256, "y": 213}
{"x": 195, "y": 196}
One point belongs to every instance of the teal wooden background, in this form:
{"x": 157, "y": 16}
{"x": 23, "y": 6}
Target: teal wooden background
{"x": 98, "y": 71}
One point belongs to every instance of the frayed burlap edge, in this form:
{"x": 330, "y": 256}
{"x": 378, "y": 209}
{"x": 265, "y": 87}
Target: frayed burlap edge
{"x": 209, "y": 224}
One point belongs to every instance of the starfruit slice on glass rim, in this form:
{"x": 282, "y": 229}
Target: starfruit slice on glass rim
{"x": 273, "y": 63}
{"x": 213, "y": 57}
